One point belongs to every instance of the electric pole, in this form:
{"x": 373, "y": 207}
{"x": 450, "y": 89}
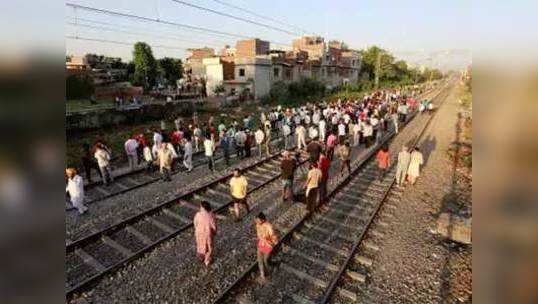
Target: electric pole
{"x": 377, "y": 68}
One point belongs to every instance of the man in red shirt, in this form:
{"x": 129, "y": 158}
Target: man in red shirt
{"x": 324, "y": 164}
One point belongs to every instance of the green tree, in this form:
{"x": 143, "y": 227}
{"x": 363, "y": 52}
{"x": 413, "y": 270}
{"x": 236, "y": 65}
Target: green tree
{"x": 78, "y": 86}
{"x": 146, "y": 67}
{"x": 97, "y": 61}
{"x": 171, "y": 69}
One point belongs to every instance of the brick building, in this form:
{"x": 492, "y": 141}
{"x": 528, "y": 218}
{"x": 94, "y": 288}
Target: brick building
{"x": 252, "y": 67}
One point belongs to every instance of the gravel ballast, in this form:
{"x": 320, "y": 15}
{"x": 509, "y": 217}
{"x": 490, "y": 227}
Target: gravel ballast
{"x": 412, "y": 264}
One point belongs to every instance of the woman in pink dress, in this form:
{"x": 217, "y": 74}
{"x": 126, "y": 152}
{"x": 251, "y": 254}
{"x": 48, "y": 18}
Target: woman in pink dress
{"x": 204, "y": 231}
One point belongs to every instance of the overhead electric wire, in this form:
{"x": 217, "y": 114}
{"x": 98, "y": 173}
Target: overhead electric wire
{"x": 122, "y": 42}
{"x": 147, "y": 19}
{"x": 76, "y": 19}
{"x": 236, "y": 17}
{"x": 262, "y": 16}
{"x": 133, "y": 33}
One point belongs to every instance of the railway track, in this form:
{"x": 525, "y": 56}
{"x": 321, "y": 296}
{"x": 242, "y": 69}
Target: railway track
{"x": 103, "y": 252}
{"x": 123, "y": 183}
{"x": 325, "y": 257}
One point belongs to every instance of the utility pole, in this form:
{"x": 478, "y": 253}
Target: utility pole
{"x": 377, "y": 69}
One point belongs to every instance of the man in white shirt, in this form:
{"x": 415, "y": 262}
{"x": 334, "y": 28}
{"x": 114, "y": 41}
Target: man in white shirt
{"x": 322, "y": 130}
{"x": 149, "y": 158}
{"x": 286, "y": 131}
{"x": 297, "y": 120}
{"x": 187, "y": 157}
{"x": 103, "y": 161}
{"x": 157, "y": 138}
{"x": 75, "y": 188}
{"x": 300, "y": 131}
{"x": 367, "y": 132}
{"x": 132, "y": 154}
{"x": 357, "y": 133}
{"x": 240, "y": 138}
{"x": 209, "y": 148}
{"x": 259, "y": 136}
{"x": 312, "y": 132}
{"x": 197, "y": 132}
{"x": 307, "y": 119}
{"x": 403, "y": 110}
{"x": 341, "y": 130}
{"x": 316, "y": 117}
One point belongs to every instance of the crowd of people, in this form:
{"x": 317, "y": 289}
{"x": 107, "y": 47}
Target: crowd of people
{"x": 325, "y": 131}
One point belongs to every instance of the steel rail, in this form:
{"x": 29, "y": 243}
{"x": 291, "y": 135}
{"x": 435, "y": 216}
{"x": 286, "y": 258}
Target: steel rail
{"x": 332, "y": 286}
{"x": 199, "y": 163}
{"x": 361, "y": 163}
{"x": 71, "y": 247}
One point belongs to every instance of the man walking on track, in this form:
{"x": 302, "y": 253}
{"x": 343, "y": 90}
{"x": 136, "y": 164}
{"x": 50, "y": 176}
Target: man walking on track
{"x": 414, "y": 165}
{"x": 383, "y": 161}
{"x": 314, "y": 149}
{"x": 103, "y": 160}
{"x": 300, "y": 131}
{"x": 287, "y": 168}
{"x": 267, "y": 238}
{"x": 324, "y": 165}
{"x": 187, "y": 157}
{"x": 209, "y": 148}
{"x": 131, "y": 146}
{"x": 404, "y": 157}
{"x": 312, "y": 187}
{"x": 75, "y": 188}
{"x": 238, "y": 190}
{"x": 344, "y": 153}
{"x": 204, "y": 231}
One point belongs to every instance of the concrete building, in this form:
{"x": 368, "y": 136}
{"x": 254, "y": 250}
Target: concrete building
{"x": 314, "y": 45}
{"x": 217, "y": 70}
{"x": 252, "y": 75}
{"x": 332, "y": 63}
{"x": 194, "y": 67}
{"x": 251, "y": 48}
{"x": 251, "y": 68}
{"x": 77, "y": 63}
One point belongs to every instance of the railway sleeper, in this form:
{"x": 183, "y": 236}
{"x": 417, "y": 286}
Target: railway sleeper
{"x": 328, "y": 232}
{"x": 202, "y": 197}
{"x": 300, "y": 236}
{"x": 102, "y": 191}
{"x": 176, "y": 216}
{"x": 347, "y": 294}
{"x": 162, "y": 226}
{"x": 90, "y": 260}
{"x": 110, "y": 242}
{"x": 144, "y": 239}
{"x": 324, "y": 264}
{"x": 304, "y": 276}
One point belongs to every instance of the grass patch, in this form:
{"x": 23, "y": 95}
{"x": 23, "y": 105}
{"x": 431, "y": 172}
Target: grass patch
{"x": 74, "y": 105}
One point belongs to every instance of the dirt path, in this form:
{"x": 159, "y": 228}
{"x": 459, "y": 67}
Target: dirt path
{"x": 413, "y": 265}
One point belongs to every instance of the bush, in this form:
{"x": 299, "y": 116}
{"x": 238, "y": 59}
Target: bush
{"x": 78, "y": 87}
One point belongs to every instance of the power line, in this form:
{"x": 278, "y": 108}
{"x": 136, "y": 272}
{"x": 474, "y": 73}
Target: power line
{"x": 132, "y": 33}
{"x": 236, "y": 17}
{"x": 147, "y": 19}
{"x": 76, "y": 19}
{"x": 122, "y": 42}
{"x": 262, "y": 16}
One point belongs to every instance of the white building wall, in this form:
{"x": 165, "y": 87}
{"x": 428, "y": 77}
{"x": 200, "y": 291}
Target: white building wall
{"x": 256, "y": 70}
{"x": 214, "y": 74}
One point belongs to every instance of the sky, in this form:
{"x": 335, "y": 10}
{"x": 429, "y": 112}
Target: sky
{"x": 418, "y": 31}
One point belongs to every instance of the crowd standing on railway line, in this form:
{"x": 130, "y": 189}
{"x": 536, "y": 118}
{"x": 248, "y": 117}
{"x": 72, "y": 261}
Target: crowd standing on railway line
{"x": 322, "y": 131}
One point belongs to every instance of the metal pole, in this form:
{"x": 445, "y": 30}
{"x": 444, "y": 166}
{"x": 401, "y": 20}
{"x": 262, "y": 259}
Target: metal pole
{"x": 377, "y": 68}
